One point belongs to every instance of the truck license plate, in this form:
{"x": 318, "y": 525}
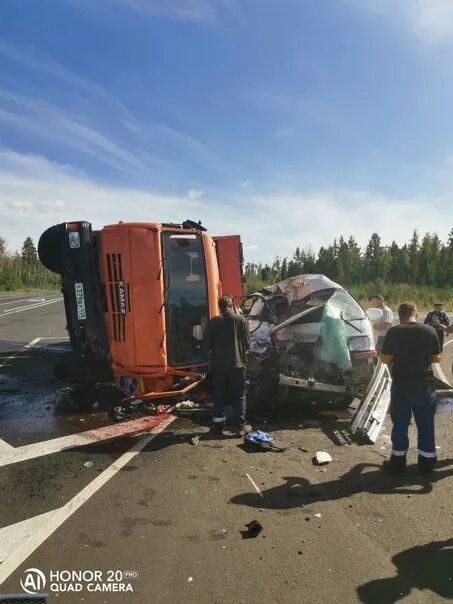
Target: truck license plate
{"x": 80, "y": 301}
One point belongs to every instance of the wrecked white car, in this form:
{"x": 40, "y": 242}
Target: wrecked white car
{"x": 311, "y": 340}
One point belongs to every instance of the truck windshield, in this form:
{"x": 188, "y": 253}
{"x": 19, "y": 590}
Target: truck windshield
{"x": 185, "y": 296}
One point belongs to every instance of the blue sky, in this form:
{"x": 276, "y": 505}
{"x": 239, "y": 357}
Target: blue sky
{"x": 288, "y": 121}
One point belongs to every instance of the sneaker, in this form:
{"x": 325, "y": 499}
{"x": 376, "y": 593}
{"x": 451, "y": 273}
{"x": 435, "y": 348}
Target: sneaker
{"x": 243, "y": 430}
{"x": 394, "y": 465}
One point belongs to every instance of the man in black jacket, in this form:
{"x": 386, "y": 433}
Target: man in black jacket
{"x": 410, "y": 348}
{"x": 227, "y": 338}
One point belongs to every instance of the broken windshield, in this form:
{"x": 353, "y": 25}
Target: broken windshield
{"x": 350, "y": 309}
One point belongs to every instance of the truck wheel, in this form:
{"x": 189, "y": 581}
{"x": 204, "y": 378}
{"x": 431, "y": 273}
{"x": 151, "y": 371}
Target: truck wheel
{"x": 49, "y": 248}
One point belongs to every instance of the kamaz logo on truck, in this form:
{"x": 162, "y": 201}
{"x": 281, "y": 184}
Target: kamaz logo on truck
{"x": 121, "y": 297}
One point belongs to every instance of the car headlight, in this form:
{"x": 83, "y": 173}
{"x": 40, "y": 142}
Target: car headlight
{"x": 358, "y": 343}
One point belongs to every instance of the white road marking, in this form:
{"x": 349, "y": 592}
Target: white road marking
{"x": 26, "y": 548}
{"x": 5, "y": 447}
{"x": 12, "y": 536}
{"x": 12, "y": 356}
{"x": 11, "y": 311}
{"x": 255, "y": 486}
{"x": 82, "y": 439}
{"x": 438, "y": 368}
{"x": 17, "y": 301}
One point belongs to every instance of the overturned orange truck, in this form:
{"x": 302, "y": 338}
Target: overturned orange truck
{"x": 138, "y": 296}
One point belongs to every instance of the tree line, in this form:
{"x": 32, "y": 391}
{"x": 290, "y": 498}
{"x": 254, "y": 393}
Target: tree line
{"x": 423, "y": 261}
{"x": 22, "y": 270}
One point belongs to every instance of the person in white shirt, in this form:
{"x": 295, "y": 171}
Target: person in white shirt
{"x": 382, "y": 326}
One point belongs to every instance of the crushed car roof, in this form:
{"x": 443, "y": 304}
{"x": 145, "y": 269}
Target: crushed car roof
{"x": 300, "y": 286}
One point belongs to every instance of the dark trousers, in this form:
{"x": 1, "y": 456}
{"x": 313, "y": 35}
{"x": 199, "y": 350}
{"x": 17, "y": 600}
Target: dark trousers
{"x": 229, "y": 389}
{"x": 421, "y": 403}
{"x": 440, "y": 335}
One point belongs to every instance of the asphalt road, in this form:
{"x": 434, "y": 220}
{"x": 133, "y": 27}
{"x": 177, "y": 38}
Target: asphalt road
{"x": 163, "y": 518}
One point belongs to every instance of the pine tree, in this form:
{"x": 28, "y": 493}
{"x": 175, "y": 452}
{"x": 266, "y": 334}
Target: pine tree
{"x": 375, "y": 265}
{"x": 414, "y": 249}
{"x": 29, "y": 254}
{"x": 284, "y": 269}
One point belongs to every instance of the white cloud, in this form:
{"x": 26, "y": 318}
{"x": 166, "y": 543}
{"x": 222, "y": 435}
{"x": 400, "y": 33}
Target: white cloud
{"x": 21, "y": 206}
{"x": 31, "y": 58}
{"x": 273, "y": 224}
{"x": 37, "y": 207}
{"x": 431, "y": 20}
{"x": 194, "y": 193}
{"x": 35, "y": 116}
{"x": 139, "y": 146}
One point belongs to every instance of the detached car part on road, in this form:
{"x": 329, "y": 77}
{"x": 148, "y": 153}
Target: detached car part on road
{"x": 312, "y": 340}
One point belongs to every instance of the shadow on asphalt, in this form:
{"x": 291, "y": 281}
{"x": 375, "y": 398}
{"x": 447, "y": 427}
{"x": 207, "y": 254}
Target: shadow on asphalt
{"x": 297, "y": 491}
{"x": 423, "y": 567}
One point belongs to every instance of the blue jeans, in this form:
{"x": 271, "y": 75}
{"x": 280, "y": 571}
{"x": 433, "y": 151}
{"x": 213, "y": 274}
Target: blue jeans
{"x": 420, "y": 402}
{"x": 229, "y": 389}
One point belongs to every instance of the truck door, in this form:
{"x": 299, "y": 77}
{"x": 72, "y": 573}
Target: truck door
{"x": 229, "y": 260}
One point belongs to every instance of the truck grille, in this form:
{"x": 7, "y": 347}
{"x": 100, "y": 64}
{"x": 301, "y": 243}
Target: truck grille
{"x": 119, "y": 296}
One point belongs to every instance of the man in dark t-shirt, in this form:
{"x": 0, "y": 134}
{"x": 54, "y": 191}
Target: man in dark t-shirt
{"x": 227, "y": 338}
{"x": 410, "y": 348}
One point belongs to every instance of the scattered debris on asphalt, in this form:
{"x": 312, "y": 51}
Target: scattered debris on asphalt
{"x": 187, "y": 405}
{"x": 262, "y": 440}
{"x": 318, "y": 515}
{"x": 322, "y": 458}
{"x": 254, "y": 528}
{"x": 304, "y": 450}
{"x": 195, "y": 440}
{"x": 88, "y": 464}
{"x": 118, "y": 413}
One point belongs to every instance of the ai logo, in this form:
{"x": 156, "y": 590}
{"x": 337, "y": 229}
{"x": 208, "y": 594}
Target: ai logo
{"x": 34, "y": 581}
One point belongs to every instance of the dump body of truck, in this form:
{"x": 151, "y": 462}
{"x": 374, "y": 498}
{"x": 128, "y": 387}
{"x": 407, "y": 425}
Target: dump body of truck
{"x": 156, "y": 285}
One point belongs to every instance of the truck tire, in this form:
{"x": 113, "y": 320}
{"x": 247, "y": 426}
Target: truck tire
{"x": 49, "y": 247}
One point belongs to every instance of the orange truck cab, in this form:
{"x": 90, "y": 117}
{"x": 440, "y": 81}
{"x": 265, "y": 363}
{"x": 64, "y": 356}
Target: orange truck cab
{"x": 139, "y": 296}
